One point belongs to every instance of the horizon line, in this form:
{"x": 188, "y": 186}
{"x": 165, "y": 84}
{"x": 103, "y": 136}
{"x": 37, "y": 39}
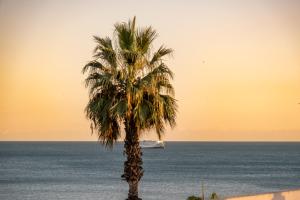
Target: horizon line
{"x": 223, "y": 141}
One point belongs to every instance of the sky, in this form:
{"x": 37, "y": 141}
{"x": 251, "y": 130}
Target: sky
{"x": 236, "y": 65}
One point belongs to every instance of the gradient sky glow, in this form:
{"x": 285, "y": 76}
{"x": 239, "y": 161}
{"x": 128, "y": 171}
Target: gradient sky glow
{"x": 236, "y": 64}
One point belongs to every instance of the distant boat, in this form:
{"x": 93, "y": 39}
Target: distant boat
{"x": 152, "y": 144}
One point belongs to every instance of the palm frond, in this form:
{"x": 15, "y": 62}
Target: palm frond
{"x": 144, "y": 38}
{"x": 105, "y": 51}
{"x": 93, "y": 66}
{"x": 125, "y": 33}
{"x": 160, "y": 53}
{"x": 101, "y": 79}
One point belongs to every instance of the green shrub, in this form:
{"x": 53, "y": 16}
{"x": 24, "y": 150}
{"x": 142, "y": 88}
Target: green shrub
{"x": 194, "y": 198}
{"x": 214, "y": 196}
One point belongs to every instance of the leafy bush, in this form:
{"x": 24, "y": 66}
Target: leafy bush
{"x": 213, "y": 196}
{"x": 194, "y": 198}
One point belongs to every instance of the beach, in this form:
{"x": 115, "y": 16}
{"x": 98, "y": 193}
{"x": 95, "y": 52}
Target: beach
{"x": 279, "y": 195}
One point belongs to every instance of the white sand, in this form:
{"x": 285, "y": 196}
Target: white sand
{"x": 284, "y": 195}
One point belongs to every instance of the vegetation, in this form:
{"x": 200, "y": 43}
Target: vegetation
{"x": 194, "y": 198}
{"x": 213, "y": 196}
{"x": 129, "y": 87}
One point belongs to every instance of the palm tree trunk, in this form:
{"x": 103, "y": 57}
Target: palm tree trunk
{"x": 133, "y": 170}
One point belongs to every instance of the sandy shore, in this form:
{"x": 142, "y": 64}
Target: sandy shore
{"x": 283, "y": 195}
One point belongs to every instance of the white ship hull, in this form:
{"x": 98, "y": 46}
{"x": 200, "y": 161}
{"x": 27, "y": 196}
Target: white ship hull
{"x": 152, "y": 144}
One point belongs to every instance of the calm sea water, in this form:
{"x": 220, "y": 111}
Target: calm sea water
{"x": 87, "y": 171}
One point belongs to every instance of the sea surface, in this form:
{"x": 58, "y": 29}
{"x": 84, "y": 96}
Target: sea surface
{"x": 87, "y": 171}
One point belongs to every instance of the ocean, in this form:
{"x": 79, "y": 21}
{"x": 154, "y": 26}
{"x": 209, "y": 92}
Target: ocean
{"x": 87, "y": 171}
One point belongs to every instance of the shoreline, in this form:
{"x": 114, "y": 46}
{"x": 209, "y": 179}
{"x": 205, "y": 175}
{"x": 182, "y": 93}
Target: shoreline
{"x": 291, "y": 194}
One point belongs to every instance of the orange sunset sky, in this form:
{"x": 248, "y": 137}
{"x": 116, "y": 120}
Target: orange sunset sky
{"x": 236, "y": 65}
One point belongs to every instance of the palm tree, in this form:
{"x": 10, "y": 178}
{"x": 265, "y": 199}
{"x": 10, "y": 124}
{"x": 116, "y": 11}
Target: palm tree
{"x": 129, "y": 87}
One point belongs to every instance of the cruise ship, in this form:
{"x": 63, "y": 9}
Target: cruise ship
{"x": 152, "y": 144}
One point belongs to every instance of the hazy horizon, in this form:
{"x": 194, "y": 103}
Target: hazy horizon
{"x": 200, "y": 141}
{"x": 236, "y": 65}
